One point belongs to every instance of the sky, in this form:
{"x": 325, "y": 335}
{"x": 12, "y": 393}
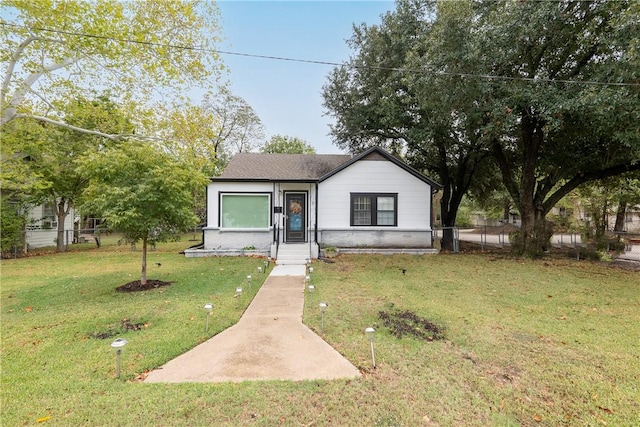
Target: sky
{"x": 286, "y": 95}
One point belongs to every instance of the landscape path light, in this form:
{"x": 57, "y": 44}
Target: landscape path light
{"x": 370, "y": 332}
{"x": 311, "y": 288}
{"x": 310, "y": 270}
{"x": 238, "y": 295}
{"x": 249, "y": 280}
{"x": 209, "y": 307}
{"x": 118, "y": 344}
{"x": 323, "y": 307}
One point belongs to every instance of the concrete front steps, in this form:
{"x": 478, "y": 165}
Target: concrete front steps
{"x": 293, "y": 254}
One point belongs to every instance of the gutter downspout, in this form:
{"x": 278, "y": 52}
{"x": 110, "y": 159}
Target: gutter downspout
{"x": 206, "y": 211}
{"x": 315, "y": 237}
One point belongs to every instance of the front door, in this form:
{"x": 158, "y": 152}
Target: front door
{"x": 295, "y": 223}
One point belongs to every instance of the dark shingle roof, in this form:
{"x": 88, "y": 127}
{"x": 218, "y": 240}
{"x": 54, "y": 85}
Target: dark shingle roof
{"x": 281, "y": 167}
{"x": 304, "y": 167}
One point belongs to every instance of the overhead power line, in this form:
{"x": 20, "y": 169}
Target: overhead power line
{"x": 318, "y": 62}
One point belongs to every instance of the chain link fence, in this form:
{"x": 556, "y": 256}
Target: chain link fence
{"x": 446, "y": 238}
{"x": 631, "y": 247}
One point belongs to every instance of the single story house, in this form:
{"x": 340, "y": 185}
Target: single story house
{"x": 42, "y": 226}
{"x": 262, "y": 201}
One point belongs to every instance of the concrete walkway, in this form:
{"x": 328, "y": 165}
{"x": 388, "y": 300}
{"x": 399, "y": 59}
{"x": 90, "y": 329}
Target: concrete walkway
{"x": 270, "y": 342}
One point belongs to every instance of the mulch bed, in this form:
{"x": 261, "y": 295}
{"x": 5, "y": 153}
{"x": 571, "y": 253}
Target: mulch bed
{"x": 137, "y": 286}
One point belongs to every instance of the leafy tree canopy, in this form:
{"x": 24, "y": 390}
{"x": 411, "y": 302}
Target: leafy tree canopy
{"x": 287, "y": 144}
{"x": 142, "y": 192}
{"x": 49, "y": 153}
{"x": 58, "y": 50}
{"x": 570, "y": 112}
{"x": 547, "y": 90}
{"x": 238, "y": 128}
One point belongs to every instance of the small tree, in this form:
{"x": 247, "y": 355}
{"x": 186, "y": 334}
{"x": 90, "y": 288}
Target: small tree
{"x": 12, "y": 220}
{"x": 59, "y": 147}
{"x": 142, "y": 192}
{"x": 22, "y": 185}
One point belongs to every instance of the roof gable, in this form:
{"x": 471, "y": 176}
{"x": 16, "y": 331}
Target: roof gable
{"x": 378, "y": 154}
{"x": 305, "y": 167}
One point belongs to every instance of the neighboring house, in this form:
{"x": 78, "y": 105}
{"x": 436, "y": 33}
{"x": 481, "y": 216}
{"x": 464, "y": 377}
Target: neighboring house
{"x": 631, "y": 219}
{"x": 479, "y": 219}
{"x": 372, "y": 200}
{"x": 577, "y": 212}
{"x": 42, "y": 225}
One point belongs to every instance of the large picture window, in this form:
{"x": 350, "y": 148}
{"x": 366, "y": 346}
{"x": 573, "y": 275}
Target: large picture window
{"x": 374, "y": 209}
{"x": 244, "y": 211}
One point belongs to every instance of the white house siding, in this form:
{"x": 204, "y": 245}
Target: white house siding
{"x": 310, "y": 214}
{"x": 39, "y": 238}
{"x": 374, "y": 176}
{"x": 217, "y": 238}
{"x": 40, "y": 234}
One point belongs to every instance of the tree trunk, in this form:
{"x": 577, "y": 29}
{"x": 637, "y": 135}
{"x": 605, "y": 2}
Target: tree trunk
{"x": 60, "y": 237}
{"x": 448, "y": 222}
{"x": 449, "y": 205}
{"x": 506, "y": 211}
{"x": 621, "y": 214}
{"x": 23, "y": 238}
{"x": 535, "y": 233}
{"x": 542, "y": 233}
{"x": 527, "y": 195}
{"x": 600, "y": 220}
{"x": 523, "y": 237}
{"x": 143, "y": 277}
{"x": 62, "y": 211}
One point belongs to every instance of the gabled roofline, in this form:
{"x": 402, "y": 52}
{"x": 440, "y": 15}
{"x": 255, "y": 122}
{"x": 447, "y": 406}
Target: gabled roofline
{"x": 387, "y": 156}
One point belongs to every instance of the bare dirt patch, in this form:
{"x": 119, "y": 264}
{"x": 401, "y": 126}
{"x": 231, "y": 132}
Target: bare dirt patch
{"x": 125, "y": 326}
{"x": 405, "y": 322}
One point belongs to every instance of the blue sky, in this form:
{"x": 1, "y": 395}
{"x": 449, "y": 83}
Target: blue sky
{"x": 286, "y": 95}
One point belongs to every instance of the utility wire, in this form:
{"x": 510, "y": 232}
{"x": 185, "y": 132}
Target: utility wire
{"x": 317, "y": 62}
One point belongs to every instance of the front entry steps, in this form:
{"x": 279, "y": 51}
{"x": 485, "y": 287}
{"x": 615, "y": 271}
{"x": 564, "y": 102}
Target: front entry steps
{"x": 293, "y": 254}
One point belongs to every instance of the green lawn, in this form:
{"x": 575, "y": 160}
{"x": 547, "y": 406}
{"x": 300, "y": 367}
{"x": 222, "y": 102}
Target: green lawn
{"x": 550, "y": 342}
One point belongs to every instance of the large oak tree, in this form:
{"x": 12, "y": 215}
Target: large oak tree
{"x": 386, "y": 96}
{"x": 568, "y": 111}
{"x": 548, "y": 90}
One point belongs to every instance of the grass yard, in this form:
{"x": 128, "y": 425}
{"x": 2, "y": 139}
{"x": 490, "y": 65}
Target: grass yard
{"x": 532, "y": 343}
